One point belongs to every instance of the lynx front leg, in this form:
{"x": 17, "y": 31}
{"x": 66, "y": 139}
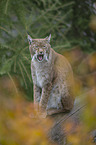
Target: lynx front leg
{"x": 44, "y": 97}
{"x": 37, "y": 96}
{"x": 67, "y": 99}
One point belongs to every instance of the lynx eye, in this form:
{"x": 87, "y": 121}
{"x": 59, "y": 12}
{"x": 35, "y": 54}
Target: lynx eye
{"x": 44, "y": 46}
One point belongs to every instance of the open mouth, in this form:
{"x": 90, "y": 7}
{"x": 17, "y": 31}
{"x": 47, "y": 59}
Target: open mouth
{"x": 40, "y": 57}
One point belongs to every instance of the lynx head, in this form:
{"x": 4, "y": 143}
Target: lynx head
{"x": 39, "y": 48}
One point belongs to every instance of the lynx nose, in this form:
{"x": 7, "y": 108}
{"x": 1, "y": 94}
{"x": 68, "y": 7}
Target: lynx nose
{"x": 41, "y": 52}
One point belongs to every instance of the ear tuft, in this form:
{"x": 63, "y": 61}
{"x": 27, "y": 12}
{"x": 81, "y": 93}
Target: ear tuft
{"x": 29, "y": 39}
{"x": 46, "y": 37}
{"x": 49, "y": 38}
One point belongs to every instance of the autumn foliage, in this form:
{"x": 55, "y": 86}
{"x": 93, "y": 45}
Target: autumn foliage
{"x": 19, "y": 124}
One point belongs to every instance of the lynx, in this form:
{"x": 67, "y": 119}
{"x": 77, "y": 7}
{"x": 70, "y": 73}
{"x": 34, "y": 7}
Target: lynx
{"x": 52, "y": 77}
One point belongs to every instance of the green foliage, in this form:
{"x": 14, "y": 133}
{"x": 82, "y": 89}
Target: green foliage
{"x": 39, "y": 19}
{"x": 62, "y": 19}
{"x": 80, "y": 33}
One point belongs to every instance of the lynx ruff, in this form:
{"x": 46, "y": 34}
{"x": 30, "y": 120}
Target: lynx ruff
{"x": 52, "y": 77}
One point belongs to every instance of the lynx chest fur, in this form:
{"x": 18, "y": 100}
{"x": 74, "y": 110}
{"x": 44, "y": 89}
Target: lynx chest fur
{"x": 52, "y": 77}
{"x": 40, "y": 74}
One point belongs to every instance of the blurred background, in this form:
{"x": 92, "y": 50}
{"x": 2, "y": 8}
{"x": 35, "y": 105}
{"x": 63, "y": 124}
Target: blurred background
{"x": 72, "y": 24}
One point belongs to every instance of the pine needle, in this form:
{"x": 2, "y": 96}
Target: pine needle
{"x": 13, "y": 83}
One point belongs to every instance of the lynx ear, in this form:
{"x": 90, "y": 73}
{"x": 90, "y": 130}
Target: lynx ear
{"x": 48, "y": 38}
{"x": 29, "y": 39}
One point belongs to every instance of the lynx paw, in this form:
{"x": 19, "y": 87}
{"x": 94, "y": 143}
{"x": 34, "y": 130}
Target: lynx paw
{"x": 42, "y": 114}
